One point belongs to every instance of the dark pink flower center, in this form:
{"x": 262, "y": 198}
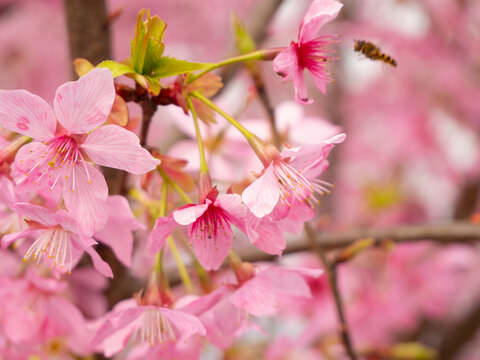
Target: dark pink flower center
{"x": 212, "y": 222}
{"x": 313, "y": 55}
{"x": 58, "y": 161}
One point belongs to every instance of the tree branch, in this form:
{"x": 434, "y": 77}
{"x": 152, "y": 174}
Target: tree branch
{"x": 442, "y": 233}
{"x": 88, "y": 30}
{"x": 332, "y": 279}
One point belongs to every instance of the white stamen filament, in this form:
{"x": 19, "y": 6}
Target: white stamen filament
{"x": 292, "y": 183}
{"x": 58, "y": 244}
{"x": 155, "y": 328}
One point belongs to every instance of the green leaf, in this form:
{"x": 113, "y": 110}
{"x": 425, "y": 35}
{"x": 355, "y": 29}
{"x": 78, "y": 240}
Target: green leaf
{"x": 243, "y": 39}
{"x": 152, "y": 85}
{"x": 147, "y": 44}
{"x": 139, "y": 43}
{"x": 116, "y": 68}
{"x": 168, "y": 66}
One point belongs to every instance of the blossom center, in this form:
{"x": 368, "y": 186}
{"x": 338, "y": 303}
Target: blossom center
{"x": 212, "y": 222}
{"x": 61, "y": 155}
{"x": 292, "y": 183}
{"x": 56, "y": 244}
{"x": 155, "y": 328}
{"x": 313, "y": 55}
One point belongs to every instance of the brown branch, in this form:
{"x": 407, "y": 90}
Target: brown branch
{"x": 88, "y": 30}
{"x": 442, "y": 233}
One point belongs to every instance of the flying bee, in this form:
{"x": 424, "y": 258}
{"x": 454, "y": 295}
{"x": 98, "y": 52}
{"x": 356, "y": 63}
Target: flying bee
{"x": 373, "y": 52}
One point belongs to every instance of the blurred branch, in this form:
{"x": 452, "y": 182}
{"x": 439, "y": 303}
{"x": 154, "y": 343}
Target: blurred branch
{"x": 88, "y": 30}
{"x": 331, "y": 271}
{"x": 256, "y": 24}
{"x": 467, "y": 199}
{"x": 460, "y": 334}
{"x": 442, "y": 233}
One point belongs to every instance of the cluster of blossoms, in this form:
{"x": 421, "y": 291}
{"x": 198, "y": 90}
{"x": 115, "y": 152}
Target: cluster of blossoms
{"x": 56, "y": 207}
{"x": 171, "y": 272}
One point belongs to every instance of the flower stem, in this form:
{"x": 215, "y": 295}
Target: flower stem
{"x": 252, "y": 139}
{"x": 187, "y": 282}
{"x": 171, "y": 243}
{"x": 174, "y": 185}
{"x": 256, "y": 55}
{"x": 201, "y": 148}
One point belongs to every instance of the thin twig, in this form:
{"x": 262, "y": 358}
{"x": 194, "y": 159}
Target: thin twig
{"x": 256, "y": 24}
{"x": 332, "y": 278}
{"x": 257, "y": 78}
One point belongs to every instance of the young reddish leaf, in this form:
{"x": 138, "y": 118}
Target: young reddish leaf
{"x": 119, "y": 113}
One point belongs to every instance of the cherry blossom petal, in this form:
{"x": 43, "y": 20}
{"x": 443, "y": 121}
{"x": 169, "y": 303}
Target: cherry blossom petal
{"x": 290, "y": 282}
{"x": 265, "y": 234}
{"x": 65, "y": 219}
{"x": 190, "y": 213}
{"x": 235, "y": 209}
{"x": 286, "y": 62}
{"x": 262, "y": 195}
{"x": 211, "y": 249}
{"x": 163, "y": 227}
{"x": 320, "y": 78}
{"x": 310, "y": 156}
{"x": 27, "y": 114}
{"x": 256, "y": 296}
{"x": 36, "y": 213}
{"x": 118, "y": 232}
{"x": 185, "y": 324}
{"x": 98, "y": 263}
{"x": 318, "y": 14}
{"x": 63, "y": 314}
{"x": 300, "y": 88}
{"x": 84, "y": 104}
{"x": 116, "y": 330}
{"x": 119, "y": 148}
{"x": 10, "y": 238}
{"x": 85, "y": 194}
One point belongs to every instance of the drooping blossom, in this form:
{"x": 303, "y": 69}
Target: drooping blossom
{"x": 61, "y": 152}
{"x": 57, "y": 239}
{"x": 209, "y": 227}
{"x": 260, "y": 292}
{"x": 310, "y": 52}
{"x": 289, "y": 176}
{"x": 37, "y": 319}
{"x": 155, "y": 319}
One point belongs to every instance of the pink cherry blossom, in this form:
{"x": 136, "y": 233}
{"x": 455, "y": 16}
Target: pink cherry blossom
{"x": 310, "y": 52}
{"x": 287, "y": 176}
{"x": 153, "y": 324}
{"x": 57, "y": 237}
{"x": 61, "y": 151}
{"x": 34, "y": 313}
{"x": 261, "y": 295}
{"x": 209, "y": 227}
{"x": 117, "y": 233}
